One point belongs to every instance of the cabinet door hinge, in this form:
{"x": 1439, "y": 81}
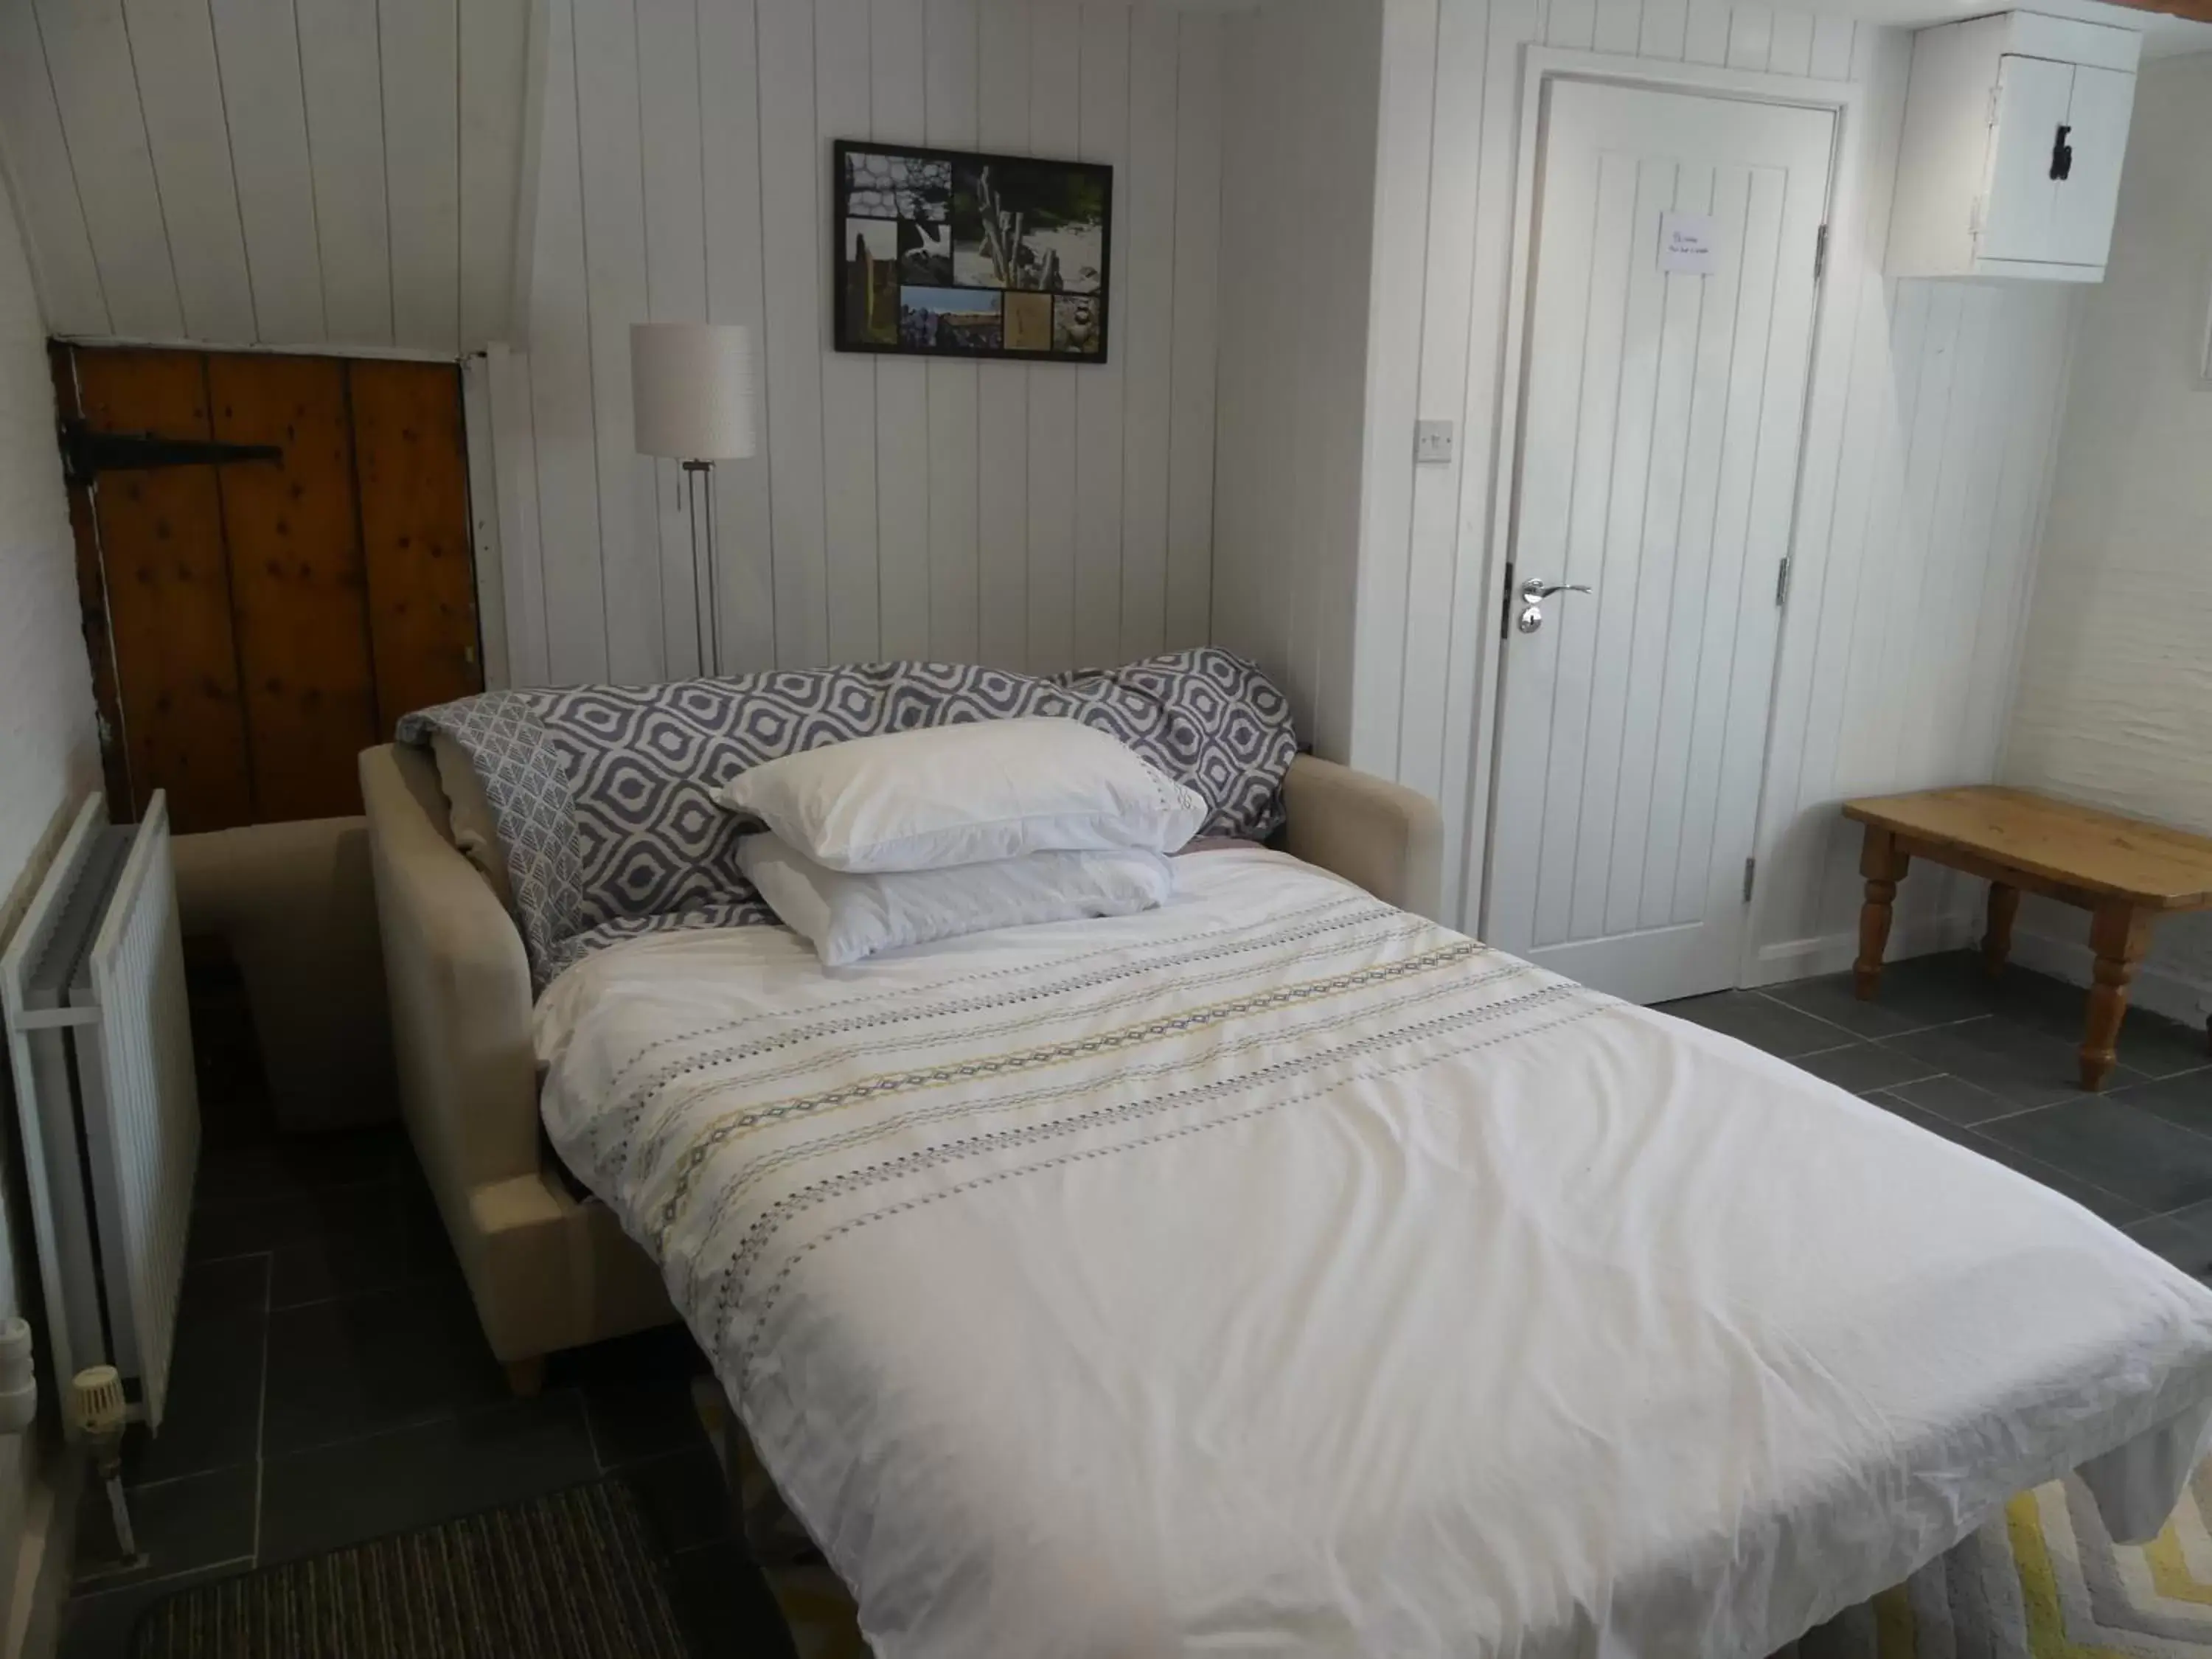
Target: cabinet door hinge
{"x": 1750, "y": 871}
{"x": 1782, "y": 584}
{"x": 1820, "y": 254}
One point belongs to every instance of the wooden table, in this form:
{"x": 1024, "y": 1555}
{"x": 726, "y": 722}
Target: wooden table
{"x": 2124, "y": 872}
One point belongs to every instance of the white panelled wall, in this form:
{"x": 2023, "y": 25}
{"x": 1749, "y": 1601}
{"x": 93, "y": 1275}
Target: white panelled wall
{"x": 2115, "y": 701}
{"x": 287, "y": 172}
{"x": 1929, "y": 431}
{"x": 1030, "y": 515}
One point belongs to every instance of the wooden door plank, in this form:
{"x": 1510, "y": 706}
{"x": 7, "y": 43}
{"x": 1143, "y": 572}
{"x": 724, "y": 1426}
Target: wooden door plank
{"x": 296, "y": 587}
{"x": 91, "y": 605}
{"x": 168, "y": 594}
{"x": 413, "y": 470}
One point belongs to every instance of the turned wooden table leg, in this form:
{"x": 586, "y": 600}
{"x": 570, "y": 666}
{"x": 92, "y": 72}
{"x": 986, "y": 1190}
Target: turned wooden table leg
{"x": 1996, "y": 940}
{"x": 1884, "y": 867}
{"x": 2119, "y": 934}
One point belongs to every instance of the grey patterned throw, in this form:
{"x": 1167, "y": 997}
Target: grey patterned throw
{"x": 600, "y": 791}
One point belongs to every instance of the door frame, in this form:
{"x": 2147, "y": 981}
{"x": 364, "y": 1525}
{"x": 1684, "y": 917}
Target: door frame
{"x": 1848, "y": 101}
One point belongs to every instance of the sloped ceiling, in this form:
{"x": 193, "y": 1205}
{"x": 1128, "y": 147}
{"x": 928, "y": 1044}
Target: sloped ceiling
{"x": 271, "y": 172}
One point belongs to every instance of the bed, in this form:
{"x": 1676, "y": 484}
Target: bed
{"x": 1278, "y": 1272}
{"x": 1272, "y": 1272}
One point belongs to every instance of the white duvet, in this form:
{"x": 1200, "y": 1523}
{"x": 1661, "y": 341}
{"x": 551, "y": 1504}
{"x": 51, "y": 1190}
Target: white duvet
{"x": 1277, "y": 1273}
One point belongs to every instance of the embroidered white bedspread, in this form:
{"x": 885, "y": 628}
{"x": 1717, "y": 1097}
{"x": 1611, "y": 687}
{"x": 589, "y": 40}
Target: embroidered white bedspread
{"x": 1277, "y": 1273}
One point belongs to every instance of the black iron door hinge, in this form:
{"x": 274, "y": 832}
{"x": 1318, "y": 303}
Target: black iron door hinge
{"x": 86, "y": 454}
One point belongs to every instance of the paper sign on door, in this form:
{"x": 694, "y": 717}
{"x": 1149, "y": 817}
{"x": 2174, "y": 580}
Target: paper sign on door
{"x": 1686, "y": 243}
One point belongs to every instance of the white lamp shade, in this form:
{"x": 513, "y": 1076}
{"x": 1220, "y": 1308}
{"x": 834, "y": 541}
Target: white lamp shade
{"x": 691, "y": 390}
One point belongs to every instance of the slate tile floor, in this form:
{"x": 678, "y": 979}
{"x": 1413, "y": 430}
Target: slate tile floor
{"x": 1991, "y": 1065}
{"x": 330, "y": 1385}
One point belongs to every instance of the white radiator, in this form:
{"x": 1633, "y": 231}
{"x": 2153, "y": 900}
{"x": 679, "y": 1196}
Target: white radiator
{"x": 98, "y": 1035}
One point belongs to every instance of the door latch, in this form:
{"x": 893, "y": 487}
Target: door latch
{"x": 2062, "y": 154}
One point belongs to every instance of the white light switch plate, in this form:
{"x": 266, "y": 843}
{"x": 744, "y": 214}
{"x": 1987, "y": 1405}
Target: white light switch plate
{"x": 1432, "y": 441}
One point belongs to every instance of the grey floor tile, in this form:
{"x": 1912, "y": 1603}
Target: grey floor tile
{"x": 1831, "y": 998}
{"x": 1760, "y": 1021}
{"x": 2186, "y": 1100}
{"x": 1940, "y": 989}
{"x": 1953, "y": 1099}
{"x": 302, "y": 1166}
{"x": 340, "y": 1494}
{"x": 2109, "y": 1206}
{"x": 2163, "y": 1048}
{"x": 682, "y": 1496}
{"x": 2120, "y": 1148}
{"x": 180, "y": 1525}
{"x": 1860, "y": 1067}
{"x": 2184, "y": 1237}
{"x": 725, "y": 1605}
{"x": 2023, "y": 1067}
{"x": 97, "y": 1624}
{"x": 362, "y": 1364}
{"x": 212, "y": 1417}
{"x": 256, "y": 1224}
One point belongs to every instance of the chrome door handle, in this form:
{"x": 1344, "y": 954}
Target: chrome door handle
{"x": 1533, "y": 593}
{"x": 1536, "y": 590}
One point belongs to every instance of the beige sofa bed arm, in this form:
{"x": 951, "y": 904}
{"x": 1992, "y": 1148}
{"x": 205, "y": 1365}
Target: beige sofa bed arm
{"x": 459, "y": 984}
{"x": 1375, "y": 833}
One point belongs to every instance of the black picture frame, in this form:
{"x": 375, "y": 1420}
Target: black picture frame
{"x": 1031, "y": 237}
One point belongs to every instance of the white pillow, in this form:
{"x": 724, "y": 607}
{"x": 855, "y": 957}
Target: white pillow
{"x": 849, "y": 917}
{"x": 965, "y": 794}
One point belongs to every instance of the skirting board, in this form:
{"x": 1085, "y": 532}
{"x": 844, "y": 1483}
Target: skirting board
{"x": 46, "y": 1557}
{"x": 1831, "y": 953}
{"x": 2188, "y": 1000}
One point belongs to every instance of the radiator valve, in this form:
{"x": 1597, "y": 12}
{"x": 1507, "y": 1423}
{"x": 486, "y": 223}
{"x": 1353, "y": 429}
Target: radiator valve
{"x": 19, "y": 1382}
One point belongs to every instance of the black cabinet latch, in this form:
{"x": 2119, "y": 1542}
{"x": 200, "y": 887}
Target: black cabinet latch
{"x": 2062, "y": 155}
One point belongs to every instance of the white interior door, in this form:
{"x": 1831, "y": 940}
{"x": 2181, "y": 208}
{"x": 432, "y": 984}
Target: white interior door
{"x": 1658, "y": 465}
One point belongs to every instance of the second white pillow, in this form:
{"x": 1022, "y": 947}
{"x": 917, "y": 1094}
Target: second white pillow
{"x": 963, "y": 794}
{"x": 850, "y": 917}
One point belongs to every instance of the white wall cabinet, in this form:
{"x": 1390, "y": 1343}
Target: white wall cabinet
{"x": 2015, "y": 128}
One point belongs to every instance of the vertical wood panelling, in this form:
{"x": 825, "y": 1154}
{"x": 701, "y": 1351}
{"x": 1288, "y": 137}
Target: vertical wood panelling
{"x": 561, "y": 370}
{"x": 493, "y": 70}
{"x": 1193, "y": 329}
{"x": 66, "y": 274}
{"x": 790, "y": 240}
{"x": 730, "y": 175}
{"x": 1705, "y": 35}
{"x": 258, "y": 50}
{"x": 482, "y": 460}
{"x": 1463, "y": 50}
{"x": 1027, "y": 515}
{"x": 1751, "y": 36}
{"x": 295, "y": 583}
{"x": 1055, "y": 83}
{"x": 1147, "y": 271}
{"x": 899, "y": 115}
{"x": 1395, "y": 316}
{"x": 842, "y": 92}
{"x": 87, "y": 54}
{"x": 340, "y": 67}
{"x": 676, "y": 281}
{"x": 1002, "y": 400}
{"x": 610, "y": 132}
{"x": 235, "y": 172}
{"x": 1789, "y": 51}
{"x": 514, "y": 469}
{"x": 1103, "y": 100}
{"x": 949, "y": 102}
{"x": 181, "y": 98}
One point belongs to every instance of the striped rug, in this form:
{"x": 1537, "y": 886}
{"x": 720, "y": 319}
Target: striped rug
{"x": 2044, "y": 1580}
{"x": 571, "y": 1576}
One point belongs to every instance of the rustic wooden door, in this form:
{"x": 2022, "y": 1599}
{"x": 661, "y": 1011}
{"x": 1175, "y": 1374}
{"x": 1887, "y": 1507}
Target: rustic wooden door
{"x": 271, "y": 575}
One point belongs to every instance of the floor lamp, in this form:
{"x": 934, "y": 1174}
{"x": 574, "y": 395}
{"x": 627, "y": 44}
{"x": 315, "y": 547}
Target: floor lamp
{"x": 691, "y": 399}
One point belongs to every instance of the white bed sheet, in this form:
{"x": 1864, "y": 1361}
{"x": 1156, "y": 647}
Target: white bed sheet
{"x": 1277, "y": 1273}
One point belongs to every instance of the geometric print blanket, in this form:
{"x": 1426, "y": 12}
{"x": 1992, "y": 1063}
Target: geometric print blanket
{"x": 600, "y": 793}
